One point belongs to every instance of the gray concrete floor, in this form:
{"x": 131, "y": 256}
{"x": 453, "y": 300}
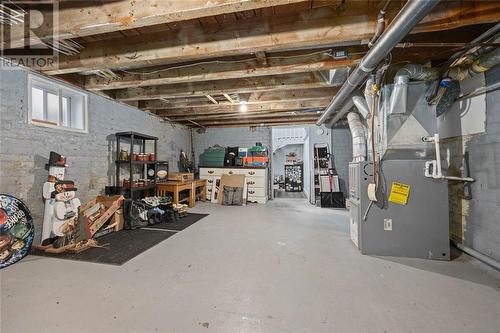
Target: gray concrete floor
{"x": 282, "y": 267}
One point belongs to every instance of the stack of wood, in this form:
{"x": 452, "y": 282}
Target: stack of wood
{"x": 98, "y": 217}
{"x": 101, "y": 216}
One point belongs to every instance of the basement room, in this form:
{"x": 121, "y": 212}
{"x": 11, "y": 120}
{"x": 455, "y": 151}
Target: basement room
{"x": 250, "y": 166}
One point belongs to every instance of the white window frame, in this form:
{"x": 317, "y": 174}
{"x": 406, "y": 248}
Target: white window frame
{"x": 59, "y": 89}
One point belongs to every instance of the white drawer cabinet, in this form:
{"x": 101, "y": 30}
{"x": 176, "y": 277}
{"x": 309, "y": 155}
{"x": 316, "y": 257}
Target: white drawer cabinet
{"x": 256, "y": 180}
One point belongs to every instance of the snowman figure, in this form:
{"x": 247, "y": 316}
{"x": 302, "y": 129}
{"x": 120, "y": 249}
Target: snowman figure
{"x": 61, "y": 205}
{"x": 65, "y": 213}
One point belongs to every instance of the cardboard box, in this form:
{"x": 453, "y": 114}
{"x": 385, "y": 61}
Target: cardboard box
{"x": 180, "y": 176}
{"x": 233, "y": 181}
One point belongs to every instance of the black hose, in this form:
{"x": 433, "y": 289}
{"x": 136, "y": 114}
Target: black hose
{"x": 379, "y": 29}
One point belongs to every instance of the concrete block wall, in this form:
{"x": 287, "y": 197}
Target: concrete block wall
{"x": 482, "y": 207}
{"x": 24, "y": 148}
{"x": 232, "y": 137}
{"x": 342, "y": 151}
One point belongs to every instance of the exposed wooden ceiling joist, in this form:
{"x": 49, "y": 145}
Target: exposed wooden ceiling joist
{"x": 222, "y": 70}
{"x": 228, "y": 109}
{"x": 260, "y": 124}
{"x": 263, "y": 97}
{"x": 262, "y": 83}
{"x": 240, "y": 115}
{"x": 354, "y": 21}
{"x": 79, "y": 19}
{"x": 273, "y": 120}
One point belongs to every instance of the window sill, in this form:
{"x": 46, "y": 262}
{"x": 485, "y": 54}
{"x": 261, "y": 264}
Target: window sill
{"x": 49, "y": 124}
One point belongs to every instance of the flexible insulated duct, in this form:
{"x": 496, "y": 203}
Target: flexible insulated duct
{"x": 480, "y": 65}
{"x": 412, "y": 13}
{"x": 358, "y": 137}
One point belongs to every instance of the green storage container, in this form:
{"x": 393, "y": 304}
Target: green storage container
{"x": 213, "y": 157}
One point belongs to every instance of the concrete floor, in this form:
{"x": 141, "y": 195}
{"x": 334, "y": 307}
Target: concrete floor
{"x": 281, "y": 267}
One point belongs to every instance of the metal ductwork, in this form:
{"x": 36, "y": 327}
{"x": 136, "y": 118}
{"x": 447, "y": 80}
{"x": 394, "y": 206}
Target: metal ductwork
{"x": 418, "y": 72}
{"x": 343, "y": 111}
{"x": 358, "y": 137}
{"x": 412, "y": 13}
{"x": 482, "y": 64}
{"x": 362, "y": 106}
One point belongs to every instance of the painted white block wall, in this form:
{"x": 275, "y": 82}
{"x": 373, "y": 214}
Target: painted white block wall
{"x": 24, "y": 148}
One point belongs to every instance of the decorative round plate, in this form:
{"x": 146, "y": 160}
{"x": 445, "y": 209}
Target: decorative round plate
{"x": 151, "y": 172}
{"x": 16, "y": 230}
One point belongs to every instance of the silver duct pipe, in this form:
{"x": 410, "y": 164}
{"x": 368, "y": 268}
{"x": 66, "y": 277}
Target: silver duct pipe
{"x": 358, "y": 137}
{"x": 412, "y": 13}
{"x": 343, "y": 111}
{"x": 362, "y": 106}
{"x": 418, "y": 72}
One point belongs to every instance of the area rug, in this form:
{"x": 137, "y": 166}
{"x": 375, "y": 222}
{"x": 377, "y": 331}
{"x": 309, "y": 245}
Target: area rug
{"x": 120, "y": 247}
{"x": 179, "y": 224}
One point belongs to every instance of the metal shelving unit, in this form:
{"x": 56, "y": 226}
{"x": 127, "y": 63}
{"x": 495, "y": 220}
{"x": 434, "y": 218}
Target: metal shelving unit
{"x": 141, "y": 139}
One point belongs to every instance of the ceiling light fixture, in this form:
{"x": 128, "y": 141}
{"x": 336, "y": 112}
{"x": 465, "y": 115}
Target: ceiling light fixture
{"x": 243, "y": 106}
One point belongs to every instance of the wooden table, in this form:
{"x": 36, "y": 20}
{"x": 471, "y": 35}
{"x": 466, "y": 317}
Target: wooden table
{"x": 175, "y": 187}
{"x": 200, "y": 183}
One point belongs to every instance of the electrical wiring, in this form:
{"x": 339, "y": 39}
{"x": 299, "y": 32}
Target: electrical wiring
{"x": 325, "y": 52}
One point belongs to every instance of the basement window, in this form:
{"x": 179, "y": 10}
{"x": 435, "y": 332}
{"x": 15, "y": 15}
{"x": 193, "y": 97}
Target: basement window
{"x": 57, "y": 106}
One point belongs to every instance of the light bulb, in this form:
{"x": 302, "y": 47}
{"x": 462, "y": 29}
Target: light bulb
{"x": 243, "y": 106}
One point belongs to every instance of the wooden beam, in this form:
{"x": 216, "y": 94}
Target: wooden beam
{"x": 232, "y": 101}
{"x": 322, "y": 26}
{"x": 254, "y": 117}
{"x": 261, "y": 124}
{"x": 353, "y": 21}
{"x": 223, "y": 71}
{"x": 246, "y": 115}
{"x": 272, "y": 120}
{"x": 212, "y": 99}
{"x": 228, "y": 109}
{"x": 265, "y": 97}
{"x": 261, "y": 58}
{"x": 262, "y": 83}
{"x": 99, "y": 17}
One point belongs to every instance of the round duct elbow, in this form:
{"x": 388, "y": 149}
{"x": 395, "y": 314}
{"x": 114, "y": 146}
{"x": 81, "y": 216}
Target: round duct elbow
{"x": 418, "y": 72}
{"x": 362, "y": 106}
{"x": 358, "y": 137}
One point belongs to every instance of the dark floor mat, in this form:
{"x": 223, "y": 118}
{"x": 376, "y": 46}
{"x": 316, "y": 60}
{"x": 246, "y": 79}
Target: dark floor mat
{"x": 290, "y": 195}
{"x": 181, "y": 223}
{"x": 123, "y": 246}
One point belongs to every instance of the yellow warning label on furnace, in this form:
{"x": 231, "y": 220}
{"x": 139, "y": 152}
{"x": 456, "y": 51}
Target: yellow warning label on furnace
{"x": 399, "y": 193}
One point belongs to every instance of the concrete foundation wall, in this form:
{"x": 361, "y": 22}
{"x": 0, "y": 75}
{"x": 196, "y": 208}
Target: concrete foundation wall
{"x": 482, "y": 204}
{"x": 24, "y": 148}
{"x": 342, "y": 151}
